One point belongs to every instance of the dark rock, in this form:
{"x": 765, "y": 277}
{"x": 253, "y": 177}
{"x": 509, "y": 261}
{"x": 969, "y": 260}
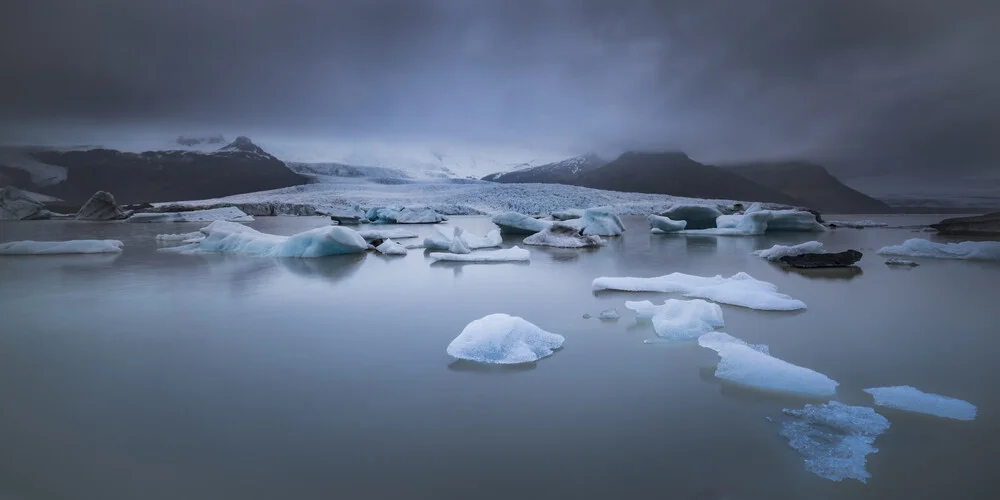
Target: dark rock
{"x": 101, "y": 206}
{"x": 979, "y": 225}
{"x": 819, "y": 260}
{"x": 376, "y": 242}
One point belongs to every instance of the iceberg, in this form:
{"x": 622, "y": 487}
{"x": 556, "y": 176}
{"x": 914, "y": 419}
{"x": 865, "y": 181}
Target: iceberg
{"x": 694, "y": 216}
{"x": 679, "y": 319}
{"x": 908, "y": 398}
{"x": 230, "y": 237}
{"x": 384, "y": 234}
{"x": 834, "y": 438}
{"x": 775, "y": 253}
{"x": 609, "y": 314}
{"x": 389, "y": 247}
{"x": 659, "y": 224}
{"x": 16, "y": 204}
{"x": 185, "y": 237}
{"x": 515, "y": 223}
{"x": 513, "y": 254}
{"x": 230, "y": 214}
{"x": 504, "y": 339}
{"x": 753, "y": 367}
{"x": 399, "y": 215}
{"x": 101, "y": 206}
{"x": 568, "y": 214}
{"x": 563, "y": 235}
{"x": 857, "y": 224}
{"x": 29, "y": 247}
{"x": 788, "y": 220}
{"x": 740, "y": 289}
{"x": 894, "y": 261}
{"x": 447, "y": 234}
{"x": 457, "y": 245}
{"x": 352, "y": 216}
{"x": 600, "y": 221}
{"x": 968, "y": 250}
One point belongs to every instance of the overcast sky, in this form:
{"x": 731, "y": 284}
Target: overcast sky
{"x": 908, "y": 85}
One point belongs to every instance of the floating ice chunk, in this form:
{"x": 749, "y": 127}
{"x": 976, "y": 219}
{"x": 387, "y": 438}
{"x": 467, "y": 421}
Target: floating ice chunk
{"x": 969, "y": 250}
{"x": 601, "y": 221}
{"x": 775, "y": 253}
{"x": 752, "y": 223}
{"x": 383, "y": 214}
{"x": 793, "y": 220}
{"x": 196, "y": 235}
{"x": 679, "y": 319}
{"x": 609, "y": 314}
{"x": 568, "y": 214}
{"x": 834, "y": 438}
{"x": 457, "y": 244}
{"x": 665, "y": 224}
{"x": 446, "y": 234}
{"x": 695, "y": 216}
{"x": 230, "y": 237}
{"x": 504, "y": 339}
{"x": 101, "y": 206}
{"x": 231, "y": 214}
{"x": 352, "y": 216}
{"x": 29, "y": 247}
{"x": 563, "y": 235}
{"x": 908, "y": 398}
{"x": 740, "y": 289}
{"x": 900, "y": 262}
{"x": 745, "y": 365}
{"x": 384, "y": 234}
{"x": 16, "y": 204}
{"x": 715, "y": 341}
{"x": 400, "y": 215}
{"x": 515, "y": 223}
{"x": 389, "y": 247}
{"x": 513, "y": 254}
{"x": 857, "y": 224}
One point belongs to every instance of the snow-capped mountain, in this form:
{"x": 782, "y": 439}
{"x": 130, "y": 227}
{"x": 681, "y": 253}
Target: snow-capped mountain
{"x": 559, "y": 172}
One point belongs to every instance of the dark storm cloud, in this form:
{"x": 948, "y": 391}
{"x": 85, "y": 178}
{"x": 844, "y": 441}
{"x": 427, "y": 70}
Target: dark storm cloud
{"x": 874, "y": 83}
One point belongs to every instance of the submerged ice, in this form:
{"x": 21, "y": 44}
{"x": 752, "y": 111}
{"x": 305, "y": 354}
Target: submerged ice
{"x": 679, "y": 319}
{"x": 30, "y": 247}
{"x": 908, "y": 398}
{"x": 504, "y": 339}
{"x": 835, "y": 439}
{"x": 741, "y": 289}
{"x": 968, "y": 250}
{"x": 230, "y": 237}
{"x": 753, "y": 367}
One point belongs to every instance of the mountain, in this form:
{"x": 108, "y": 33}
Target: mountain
{"x": 151, "y": 176}
{"x": 560, "y": 172}
{"x": 811, "y": 184}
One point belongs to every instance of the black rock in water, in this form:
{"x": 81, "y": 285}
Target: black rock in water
{"x": 820, "y": 260}
{"x": 101, "y": 206}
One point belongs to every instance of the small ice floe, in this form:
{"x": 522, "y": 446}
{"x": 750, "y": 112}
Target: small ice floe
{"x": 504, "y": 339}
{"x": 835, "y": 439}
{"x": 609, "y": 314}
{"x": 741, "y": 289}
{"x": 230, "y": 237}
{"x": 660, "y": 224}
{"x": 967, "y": 250}
{"x": 513, "y": 254}
{"x": 563, "y": 235}
{"x": 231, "y": 214}
{"x": 385, "y": 234}
{"x": 389, "y": 247}
{"x": 857, "y": 224}
{"x": 30, "y": 247}
{"x": 447, "y": 235}
{"x": 515, "y": 223}
{"x": 184, "y": 237}
{"x": 753, "y": 367}
{"x": 775, "y": 253}
{"x": 679, "y": 319}
{"x": 900, "y": 262}
{"x": 908, "y": 398}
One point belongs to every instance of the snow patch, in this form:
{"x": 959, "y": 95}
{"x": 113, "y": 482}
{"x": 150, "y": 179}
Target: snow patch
{"x": 504, "y": 339}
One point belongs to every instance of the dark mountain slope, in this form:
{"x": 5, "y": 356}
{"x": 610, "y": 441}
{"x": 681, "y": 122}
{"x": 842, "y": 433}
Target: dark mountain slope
{"x": 811, "y": 184}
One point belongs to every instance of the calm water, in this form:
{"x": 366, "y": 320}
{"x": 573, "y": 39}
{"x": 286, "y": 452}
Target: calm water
{"x": 149, "y": 376}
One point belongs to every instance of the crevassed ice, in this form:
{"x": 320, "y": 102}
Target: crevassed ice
{"x": 835, "y": 439}
{"x": 231, "y": 214}
{"x": 745, "y": 365}
{"x": 504, "y": 339}
{"x": 231, "y": 237}
{"x": 908, "y": 398}
{"x": 679, "y": 319}
{"x": 969, "y": 250}
{"x": 740, "y": 289}
{"x": 29, "y": 247}
{"x": 776, "y": 252}
{"x": 513, "y": 254}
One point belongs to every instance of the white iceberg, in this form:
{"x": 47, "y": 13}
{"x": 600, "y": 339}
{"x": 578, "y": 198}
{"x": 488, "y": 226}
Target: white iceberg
{"x": 399, "y": 215}
{"x": 186, "y": 237}
{"x": 694, "y": 216}
{"x": 609, "y": 314}
{"x": 715, "y": 341}
{"x": 504, "y": 339}
{"x": 968, "y": 250}
{"x": 384, "y": 234}
{"x": 857, "y": 224}
{"x": 231, "y": 214}
{"x": 908, "y": 398}
{"x": 752, "y": 367}
{"x": 230, "y": 237}
{"x": 790, "y": 220}
{"x": 600, "y": 221}
{"x": 563, "y": 235}
{"x": 741, "y": 289}
{"x": 515, "y": 223}
{"x": 389, "y": 247}
{"x": 30, "y": 247}
{"x": 447, "y": 234}
{"x": 776, "y": 252}
{"x": 457, "y": 244}
{"x": 513, "y": 254}
{"x": 660, "y": 224}
{"x": 679, "y": 319}
{"x": 568, "y": 214}
{"x": 834, "y": 438}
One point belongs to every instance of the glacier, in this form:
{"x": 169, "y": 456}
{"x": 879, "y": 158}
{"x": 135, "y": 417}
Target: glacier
{"x": 679, "y": 319}
{"x": 966, "y": 250}
{"x": 834, "y": 438}
{"x": 447, "y": 234}
{"x": 503, "y": 339}
{"x": 749, "y": 366}
{"x": 513, "y": 254}
{"x": 908, "y": 398}
{"x": 775, "y": 253}
{"x": 563, "y": 235}
{"x": 231, "y": 214}
{"x": 660, "y": 224}
{"x": 29, "y": 247}
{"x": 389, "y": 247}
{"x": 515, "y": 223}
{"x": 231, "y": 237}
{"x": 740, "y": 289}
